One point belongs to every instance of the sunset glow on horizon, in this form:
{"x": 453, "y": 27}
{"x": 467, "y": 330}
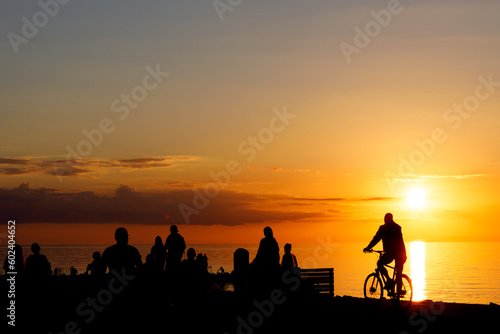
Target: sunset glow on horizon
{"x": 292, "y": 115}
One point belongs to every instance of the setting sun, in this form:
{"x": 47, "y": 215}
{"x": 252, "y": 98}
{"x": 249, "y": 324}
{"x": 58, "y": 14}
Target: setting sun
{"x": 416, "y": 198}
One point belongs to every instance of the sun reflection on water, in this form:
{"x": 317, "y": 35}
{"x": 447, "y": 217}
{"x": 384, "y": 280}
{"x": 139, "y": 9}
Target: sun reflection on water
{"x": 417, "y": 268}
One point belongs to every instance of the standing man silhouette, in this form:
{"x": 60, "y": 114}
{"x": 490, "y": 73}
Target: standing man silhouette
{"x": 394, "y": 248}
{"x": 37, "y": 264}
{"x": 175, "y": 246}
{"x": 122, "y": 255}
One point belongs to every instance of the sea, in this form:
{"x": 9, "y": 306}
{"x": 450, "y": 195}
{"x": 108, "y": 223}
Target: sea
{"x": 462, "y": 272}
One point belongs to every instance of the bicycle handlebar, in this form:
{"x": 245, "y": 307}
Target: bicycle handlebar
{"x": 376, "y": 251}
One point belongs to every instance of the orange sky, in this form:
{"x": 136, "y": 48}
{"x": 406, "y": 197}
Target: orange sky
{"x": 122, "y": 115}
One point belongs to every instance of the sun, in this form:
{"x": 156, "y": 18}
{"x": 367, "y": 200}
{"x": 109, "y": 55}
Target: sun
{"x": 416, "y": 198}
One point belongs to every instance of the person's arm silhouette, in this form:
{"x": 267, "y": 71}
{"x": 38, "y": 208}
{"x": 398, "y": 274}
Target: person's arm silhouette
{"x": 376, "y": 239}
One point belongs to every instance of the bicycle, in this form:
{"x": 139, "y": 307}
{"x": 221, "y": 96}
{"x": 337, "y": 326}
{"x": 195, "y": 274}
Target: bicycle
{"x": 376, "y": 283}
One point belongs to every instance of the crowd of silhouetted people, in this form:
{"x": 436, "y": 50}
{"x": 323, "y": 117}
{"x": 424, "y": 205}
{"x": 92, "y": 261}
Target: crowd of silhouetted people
{"x": 172, "y": 280}
{"x": 164, "y": 259}
{"x": 120, "y": 256}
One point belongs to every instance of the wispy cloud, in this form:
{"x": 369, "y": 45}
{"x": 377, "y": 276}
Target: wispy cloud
{"x": 423, "y": 178}
{"x": 380, "y": 199}
{"x": 43, "y": 165}
{"x": 341, "y": 199}
{"x": 457, "y": 177}
{"x": 291, "y": 170}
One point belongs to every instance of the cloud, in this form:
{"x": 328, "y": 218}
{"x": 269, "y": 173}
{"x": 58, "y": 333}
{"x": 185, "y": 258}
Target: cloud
{"x": 380, "y": 199}
{"x": 423, "y": 178}
{"x": 13, "y": 171}
{"x": 129, "y": 206}
{"x": 456, "y": 177}
{"x": 333, "y": 199}
{"x": 9, "y": 161}
{"x": 293, "y": 170}
{"x": 340, "y": 199}
{"x": 34, "y": 165}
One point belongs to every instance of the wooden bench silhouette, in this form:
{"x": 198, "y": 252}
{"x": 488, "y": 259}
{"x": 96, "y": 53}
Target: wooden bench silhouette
{"x": 320, "y": 278}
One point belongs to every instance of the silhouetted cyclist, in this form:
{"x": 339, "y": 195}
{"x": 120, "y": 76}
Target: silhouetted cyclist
{"x": 394, "y": 248}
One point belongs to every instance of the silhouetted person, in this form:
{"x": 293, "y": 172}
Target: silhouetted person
{"x": 265, "y": 268}
{"x": 37, "y": 264}
{"x": 394, "y": 248}
{"x": 97, "y": 267}
{"x": 122, "y": 255}
{"x": 268, "y": 253}
{"x": 159, "y": 255}
{"x": 149, "y": 265}
{"x": 175, "y": 246}
{"x": 73, "y": 271}
{"x": 289, "y": 261}
{"x": 193, "y": 273}
{"x": 191, "y": 266}
{"x": 17, "y": 264}
{"x": 203, "y": 262}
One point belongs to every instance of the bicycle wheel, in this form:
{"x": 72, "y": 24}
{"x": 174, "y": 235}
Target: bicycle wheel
{"x": 406, "y": 293}
{"x": 373, "y": 288}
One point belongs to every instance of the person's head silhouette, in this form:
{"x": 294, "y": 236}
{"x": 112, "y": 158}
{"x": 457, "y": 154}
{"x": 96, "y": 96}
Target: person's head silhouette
{"x": 388, "y": 219}
{"x": 158, "y": 241}
{"x": 121, "y": 236}
{"x": 150, "y": 259}
{"x": 191, "y": 254}
{"x": 288, "y": 248}
{"x": 96, "y": 255}
{"x": 268, "y": 232}
{"x": 174, "y": 229}
{"x": 35, "y": 248}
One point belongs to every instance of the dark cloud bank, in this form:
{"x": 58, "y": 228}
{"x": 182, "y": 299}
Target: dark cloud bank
{"x": 128, "y": 206}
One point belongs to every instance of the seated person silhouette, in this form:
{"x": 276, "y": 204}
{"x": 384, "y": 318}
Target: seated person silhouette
{"x": 122, "y": 255}
{"x": 289, "y": 261}
{"x": 37, "y": 264}
{"x": 193, "y": 272}
{"x": 394, "y": 248}
{"x": 265, "y": 268}
{"x": 17, "y": 265}
{"x": 191, "y": 266}
{"x": 97, "y": 268}
{"x": 268, "y": 253}
{"x": 149, "y": 265}
{"x": 174, "y": 246}
{"x": 202, "y": 261}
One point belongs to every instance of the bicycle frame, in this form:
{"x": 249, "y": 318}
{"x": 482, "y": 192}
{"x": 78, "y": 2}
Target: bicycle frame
{"x": 390, "y": 292}
{"x": 376, "y": 283}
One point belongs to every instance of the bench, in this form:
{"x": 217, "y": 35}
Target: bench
{"x": 320, "y": 278}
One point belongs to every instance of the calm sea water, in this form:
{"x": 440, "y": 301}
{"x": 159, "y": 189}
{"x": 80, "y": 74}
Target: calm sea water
{"x": 441, "y": 271}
